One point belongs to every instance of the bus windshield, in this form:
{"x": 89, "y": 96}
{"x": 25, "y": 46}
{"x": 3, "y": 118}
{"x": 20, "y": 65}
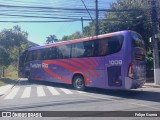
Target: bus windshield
{"x": 139, "y": 46}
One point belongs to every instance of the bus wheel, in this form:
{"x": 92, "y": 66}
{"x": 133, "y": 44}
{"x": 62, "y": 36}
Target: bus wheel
{"x": 78, "y": 82}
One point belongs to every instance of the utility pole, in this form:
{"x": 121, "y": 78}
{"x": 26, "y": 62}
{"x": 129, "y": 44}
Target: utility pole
{"x": 18, "y": 60}
{"x": 97, "y": 15}
{"x": 155, "y": 42}
{"x": 82, "y": 25}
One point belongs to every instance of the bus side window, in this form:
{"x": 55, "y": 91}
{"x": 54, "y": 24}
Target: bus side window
{"x": 59, "y": 53}
{"x": 29, "y": 57}
{"x": 77, "y": 50}
{"x": 43, "y": 54}
{"x": 65, "y": 51}
{"x": 54, "y": 53}
{"x": 49, "y": 53}
{"x": 38, "y": 54}
{"x": 114, "y": 44}
{"x": 89, "y": 49}
{"x": 103, "y": 47}
{"x": 73, "y": 50}
{"x": 34, "y": 55}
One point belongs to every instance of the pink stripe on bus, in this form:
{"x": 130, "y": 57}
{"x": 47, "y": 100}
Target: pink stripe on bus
{"x": 57, "y": 76}
{"x": 91, "y": 62}
{"x": 80, "y": 66}
{"x": 86, "y": 65}
{"x": 68, "y": 67}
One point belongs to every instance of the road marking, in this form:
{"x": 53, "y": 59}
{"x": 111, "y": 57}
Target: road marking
{"x": 81, "y": 92}
{"x": 4, "y": 89}
{"x": 13, "y": 93}
{"x": 26, "y": 93}
{"x": 66, "y": 91}
{"x": 53, "y": 90}
{"x": 40, "y": 91}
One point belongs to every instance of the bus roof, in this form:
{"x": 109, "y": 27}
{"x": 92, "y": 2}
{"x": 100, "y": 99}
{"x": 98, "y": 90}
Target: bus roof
{"x": 78, "y": 40}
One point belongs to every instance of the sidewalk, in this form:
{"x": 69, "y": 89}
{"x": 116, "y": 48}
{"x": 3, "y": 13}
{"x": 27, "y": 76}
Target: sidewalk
{"x": 153, "y": 85}
{"x": 4, "y": 89}
{"x": 150, "y": 83}
{"x": 7, "y": 87}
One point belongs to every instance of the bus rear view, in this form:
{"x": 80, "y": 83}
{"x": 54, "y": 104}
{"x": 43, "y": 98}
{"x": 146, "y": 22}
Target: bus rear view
{"x": 136, "y": 76}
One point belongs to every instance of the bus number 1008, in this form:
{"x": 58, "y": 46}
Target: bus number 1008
{"x": 115, "y": 62}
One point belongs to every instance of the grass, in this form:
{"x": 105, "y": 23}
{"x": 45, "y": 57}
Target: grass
{"x": 11, "y": 73}
{"x": 5, "y": 81}
{"x": 10, "y": 77}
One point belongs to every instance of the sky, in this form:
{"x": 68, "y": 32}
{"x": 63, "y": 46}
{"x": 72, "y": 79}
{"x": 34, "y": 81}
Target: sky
{"x": 48, "y": 10}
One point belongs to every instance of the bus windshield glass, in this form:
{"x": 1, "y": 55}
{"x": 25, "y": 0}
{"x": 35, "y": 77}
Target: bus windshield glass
{"x": 137, "y": 40}
{"x": 139, "y": 47}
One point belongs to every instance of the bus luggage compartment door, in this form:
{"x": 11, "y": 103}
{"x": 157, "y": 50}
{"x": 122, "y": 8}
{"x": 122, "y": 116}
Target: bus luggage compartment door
{"x": 114, "y": 73}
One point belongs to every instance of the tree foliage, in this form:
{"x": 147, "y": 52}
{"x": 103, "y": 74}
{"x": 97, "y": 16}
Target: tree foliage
{"x": 51, "y": 39}
{"x": 128, "y": 15}
{"x": 11, "y": 38}
{"x": 75, "y": 35}
{"x": 11, "y": 41}
{"x": 5, "y": 58}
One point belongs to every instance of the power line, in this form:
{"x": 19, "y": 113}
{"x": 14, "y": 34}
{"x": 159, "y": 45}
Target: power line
{"x": 49, "y": 8}
{"x": 12, "y": 21}
{"x": 87, "y": 11}
{"x": 36, "y": 21}
{"x": 32, "y": 16}
{"x": 63, "y": 3}
{"x": 52, "y": 13}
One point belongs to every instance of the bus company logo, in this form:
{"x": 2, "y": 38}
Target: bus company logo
{"x": 115, "y": 62}
{"x": 6, "y": 114}
{"x": 37, "y": 66}
{"x": 21, "y": 114}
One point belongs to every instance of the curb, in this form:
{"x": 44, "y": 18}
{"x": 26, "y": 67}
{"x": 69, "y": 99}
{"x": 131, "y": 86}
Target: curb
{"x": 6, "y": 88}
{"x": 152, "y": 85}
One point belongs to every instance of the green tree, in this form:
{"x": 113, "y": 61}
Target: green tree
{"x": 89, "y": 30}
{"x": 129, "y": 15}
{"x": 12, "y": 41}
{"x": 51, "y": 39}
{"x": 5, "y": 58}
{"x": 75, "y": 35}
{"x": 11, "y": 38}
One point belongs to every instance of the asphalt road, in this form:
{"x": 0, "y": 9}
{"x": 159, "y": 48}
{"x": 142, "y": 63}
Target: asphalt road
{"x": 42, "y": 96}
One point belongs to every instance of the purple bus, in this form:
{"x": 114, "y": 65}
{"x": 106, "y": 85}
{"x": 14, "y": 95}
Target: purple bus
{"x": 111, "y": 61}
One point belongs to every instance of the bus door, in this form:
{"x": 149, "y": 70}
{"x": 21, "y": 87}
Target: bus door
{"x": 21, "y": 70}
{"x": 113, "y": 60}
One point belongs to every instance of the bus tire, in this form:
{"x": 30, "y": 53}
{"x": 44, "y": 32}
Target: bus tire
{"x": 78, "y": 82}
